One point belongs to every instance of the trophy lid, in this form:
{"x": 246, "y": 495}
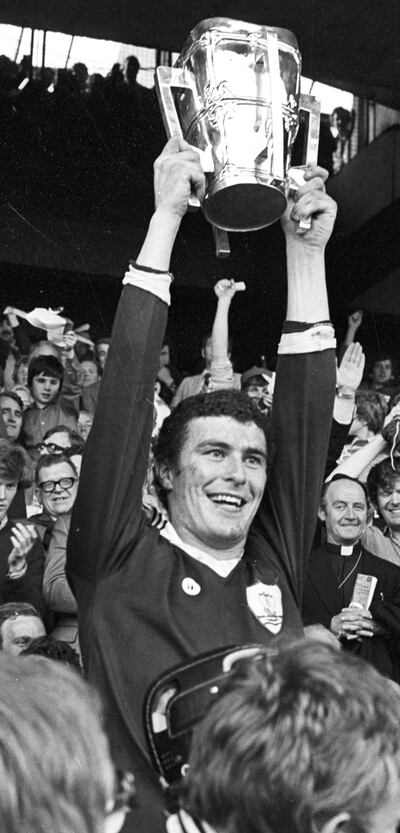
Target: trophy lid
{"x": 237, "y": 29}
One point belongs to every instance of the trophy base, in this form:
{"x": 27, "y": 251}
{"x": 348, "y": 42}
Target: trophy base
{"x": 243, "y": 206}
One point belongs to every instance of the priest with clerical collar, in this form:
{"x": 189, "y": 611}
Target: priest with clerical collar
{"x": 339, "y": 574}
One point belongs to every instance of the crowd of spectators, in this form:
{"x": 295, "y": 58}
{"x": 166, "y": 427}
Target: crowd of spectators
{"x": 86, "y": 139}
{"x": 81, "y": 139}
{"x": 149, "y": 557}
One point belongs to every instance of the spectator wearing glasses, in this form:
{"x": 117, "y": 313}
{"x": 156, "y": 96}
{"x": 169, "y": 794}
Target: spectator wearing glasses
{"x": 61, "y": 469}
{"x": 57, "y": 479}
{"x": 60, "y": 439}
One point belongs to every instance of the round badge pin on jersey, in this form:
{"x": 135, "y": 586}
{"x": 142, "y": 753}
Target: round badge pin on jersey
{"x": 190, "y": 586}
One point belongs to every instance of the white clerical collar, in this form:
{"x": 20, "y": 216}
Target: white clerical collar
{"x": 344, "y": 549}
{"x": 222, "y": 566}
{"x": 348, "y": 550}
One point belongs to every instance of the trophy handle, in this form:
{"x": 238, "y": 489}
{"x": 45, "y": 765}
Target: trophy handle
{"x": 164, "y": 79}
{"x": 312, "y": 106}
{"x": 221, "y": 240}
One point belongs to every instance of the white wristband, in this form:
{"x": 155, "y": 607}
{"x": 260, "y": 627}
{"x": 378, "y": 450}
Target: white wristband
{"x": 151, "y": 282}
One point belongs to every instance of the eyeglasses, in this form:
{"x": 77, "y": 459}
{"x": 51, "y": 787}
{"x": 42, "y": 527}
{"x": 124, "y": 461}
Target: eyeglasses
{"x": 49, "y": 485}
{"x": 50, "y": 448}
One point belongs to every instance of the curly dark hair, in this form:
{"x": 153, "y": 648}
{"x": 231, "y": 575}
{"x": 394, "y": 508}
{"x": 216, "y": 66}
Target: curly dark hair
{"x": 15, "y": 464}
{"x": 382, "y": 476}
{"x": 294, "y": 739}
{"x": 52, "y": 648}
{"x": 228, "y": 403}
{"x": 174, "y": 430}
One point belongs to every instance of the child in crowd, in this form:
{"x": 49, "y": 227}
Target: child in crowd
{"x": 53, "y": 401}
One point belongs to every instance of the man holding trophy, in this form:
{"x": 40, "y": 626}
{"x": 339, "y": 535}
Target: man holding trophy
{"x": 228, "y": 567}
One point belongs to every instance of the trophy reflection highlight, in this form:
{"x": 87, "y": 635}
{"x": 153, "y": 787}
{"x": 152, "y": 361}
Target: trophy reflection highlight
{"x": 234, "y": 95}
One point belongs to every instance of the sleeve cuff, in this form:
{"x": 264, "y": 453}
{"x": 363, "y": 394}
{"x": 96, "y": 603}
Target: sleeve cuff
{"x": 151, "y": 282}
{"x": 221, "y": 370}
{"x": 312, "y": 340}
{"x": 343, "y": 410}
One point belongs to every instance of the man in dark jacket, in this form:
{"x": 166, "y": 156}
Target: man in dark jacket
{"x": 149, "y": 600}
{"x": 370, "y": 629}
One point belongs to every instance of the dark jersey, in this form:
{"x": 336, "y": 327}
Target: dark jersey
{"x": 144, "y": 604}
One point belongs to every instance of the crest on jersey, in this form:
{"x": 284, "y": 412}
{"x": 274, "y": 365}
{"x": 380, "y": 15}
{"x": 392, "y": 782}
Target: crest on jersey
{"x": 265, "y": 602}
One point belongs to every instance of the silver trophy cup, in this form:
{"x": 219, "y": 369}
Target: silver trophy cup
{"x": 234, "y": 96}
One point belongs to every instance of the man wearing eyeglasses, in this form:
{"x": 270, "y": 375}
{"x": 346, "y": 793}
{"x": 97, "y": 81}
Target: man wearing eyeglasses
{"x": 57, "y": 481}
{"x": 59, "y": 439}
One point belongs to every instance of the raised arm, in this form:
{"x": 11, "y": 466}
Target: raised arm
{"x": 305, "y": 252}
{"x": 305, "y": 386}
{"x": 354, "y": 322}
{"x": 362, "y": 459}
{"x": 348, "y": 378}
{"x": 221, "y": 365}
{"x": 107, "y": 511}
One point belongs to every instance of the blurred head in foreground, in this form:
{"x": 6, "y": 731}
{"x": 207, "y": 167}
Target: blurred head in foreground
{"x": 55, "y": 768}
{"x": 304, "y": 741}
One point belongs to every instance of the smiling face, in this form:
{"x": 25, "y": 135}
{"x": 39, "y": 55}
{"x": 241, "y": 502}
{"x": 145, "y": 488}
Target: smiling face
{"x": 215, "y": 492}
{"x": 12, "y": 416}
{"x": 61, "y": 500}
{"x": 45, "y": 389}
{"x": 345, "y": 512}
{"x": 388, "y": 504}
